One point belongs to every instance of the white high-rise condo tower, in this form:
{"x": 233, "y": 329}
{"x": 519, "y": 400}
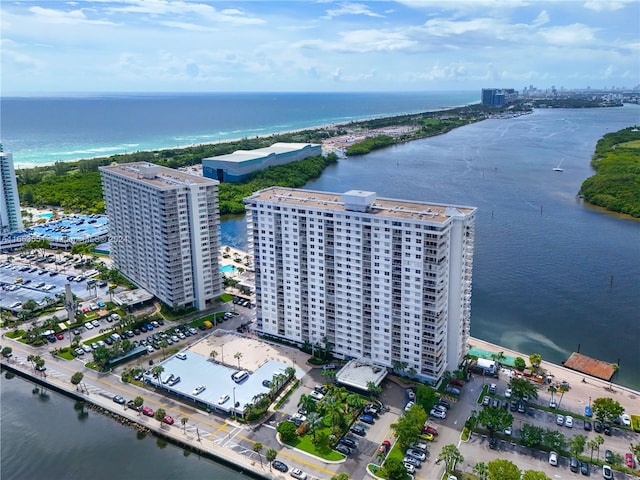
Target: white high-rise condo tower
{"x": 10, "y": 216}
{"x": 164, "y": 229}
{"x": 384, "y": 280}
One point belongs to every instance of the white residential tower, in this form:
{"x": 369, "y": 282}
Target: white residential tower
{"x": 164, "y": 228}
{"x": 387, "y": 281}
{"x": 10, "y": 216}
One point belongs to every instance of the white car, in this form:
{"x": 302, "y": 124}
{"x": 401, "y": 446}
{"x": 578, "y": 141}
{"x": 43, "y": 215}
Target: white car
{"x": 223, "y": 399}
{"x": 625, "y": 419}
{"x": 181, "y": 356}
{"x": 507, "y": 393}
{"x": 416, "y": 454}
{"x": 95, "y": 323}
{"x": 88, "y": 326}
{"x": 316, "y": 395}
{"x": 86, "y": 348}
{"x": 438, "y": 414}
{"x": 553, "y": 458}
{"x": 560, "y": 420}
{"x": 410, "y": 468}
{"x": 568, "y": 421}
{"x": 198, "y": 390}
{"x": 508, "y": 431}
{"x": 299, "y": 474}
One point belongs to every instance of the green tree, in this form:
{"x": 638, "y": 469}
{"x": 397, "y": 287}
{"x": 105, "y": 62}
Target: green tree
{"x": 330, "y": 375}
{"x": 307, "y": 402}
{"x": 159, "y": 415}
{"x": 481, "y": 470}
{"x": 501, "y": 469}
{"x": 287, "y": 431}
{"x": 373, "y": 389}
{"x": 425, "y": 396}
{"x": 6, "y": 352}
{"x": 451, "y": 455}
{"x": 553, "y": 440}
{"x": 270, "y": 455}
{"x": 534, "y": 475}
{"x": 521, "y": 387}
{"x": 399, "y": 367}
{"x": 531, "y": 435}
{"x": 355, "y": 401}
{"x": 607, "y": 409}
{"x": 552, "y": 390}
{"x": 395, "y": 469}
{"x": 577, "y": 445}
{"x": 341, "y": 476}
{"x": 563, "y": 388}
{"x": 314, "y": 421}
{"x": 257, "y": 447}
{"x": 409, "y": 425}
{"x": 238, "y": 356}
{"x": 535, "y": 359}
{"x": 635, "y": 450}
{"x": 519, "y": 363}
{"x": 334, "y": 409}
{"x": 76, "y": 379}
{"x": 184, "y": 421}
{"x": 495, "y": 419}
{"x": 138, "y": 402}
{"x": 157, "y": 371}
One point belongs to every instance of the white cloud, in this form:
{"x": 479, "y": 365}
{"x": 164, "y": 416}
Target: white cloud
{"x": 72, "y": 17}
{"x": 569, "y": 35}
{"x": 606, "y": 5}
{"x": 351, "y": 9}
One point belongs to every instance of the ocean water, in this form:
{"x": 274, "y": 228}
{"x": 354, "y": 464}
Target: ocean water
{"x": 41, "y": 130}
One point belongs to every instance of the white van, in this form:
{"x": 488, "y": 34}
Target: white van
{"x": 240, "y": 376}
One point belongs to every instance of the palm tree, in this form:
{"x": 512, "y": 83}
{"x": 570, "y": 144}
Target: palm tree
{"x": 307, "y": 403}
{"x": 213, "y": 355}
{"x": 163, "y": 344}
{"x": 598, "y": 441}
{"x": 329, "y": 375}
{"x": 76, "y": 378}
{"x": 257, "y": 447}
{"x": 355, "y": 401}
{"x": 451, "y": 455}
{"x": 271, "y": 455}
{"x": 334, "y": 409}
{"x": 238, "y": 356}
{"x": 400, "y": 366}
{"x": 481, "y": 470}
{"x": 184, "y": 421}
{"x": 31, "y": 359}
{"x": 156, "y": 371}
{"x": 314, "y": 421}
{"x": 373, "y": 389}
{"x": 553, "y": 390}
{"x": 562, "y": 388}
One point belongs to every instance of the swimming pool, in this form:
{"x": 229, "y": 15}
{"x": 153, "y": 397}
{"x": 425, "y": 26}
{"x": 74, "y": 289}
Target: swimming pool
{"x": 227, "y": 269}
{"x": 46, "y": 215}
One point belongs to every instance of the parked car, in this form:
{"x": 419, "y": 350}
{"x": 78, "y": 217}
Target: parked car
{"x": 316, "y": 395}
{"x": 367, "y": 419}
{"x": 553, "y": 403}
{"x": 149, "y": 412}
{"x": 431, "y": 430}
{"x": 452, "y": 391}
{"x": 493, "y": 388}
{"x": 409, "y": 468}
{"x": 438, "y": 414}
{"x": 553, "y": 458}
{"x": 568, "y": 421}
{"x": 299, "y": 474}
{"x": 574, "y": 465}
{"x": 585, "y": 468}
{"x": 597, "y": 426}
{"x": 444, "y": 403}
{"x": 507, "y": 393}
{"x": 629, "y": 461}
{"x": 417, "y": 446}
{"x": 118, "y": 399}
{"x": 493, "y": 443}
{"x": 587, "y": 411}
{"x": 587, "y": 425}
{"x": 456, "y": 382}
{"x": 278, "y": 465}
{"x": 329, "y": 366}
{"x": 412, "y": 461}
{"x": 486, "y": 401}
{"x": 417, "y": 454}
{"x": 560, "y": 420}
{"x": 359, "y": 429}
{"x": 608, "y": 456}
{"x": 606, "y": 429}
{"x": 348, "y": 442}
{"x": 198, "y": 390}
{"x": 169, "y": 420}
{"x": 625, "y": 419}
{"x": 385, "y": 446}
{"x": 607, "y": 473}
{"x": 343, "y": 449}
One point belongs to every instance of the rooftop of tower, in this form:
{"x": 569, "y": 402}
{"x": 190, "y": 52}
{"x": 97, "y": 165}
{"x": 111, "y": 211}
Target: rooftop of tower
{"x": 156, "y": 175}
{"x": 361, "y": 202}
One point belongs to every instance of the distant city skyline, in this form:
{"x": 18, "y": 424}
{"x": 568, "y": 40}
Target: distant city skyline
{"x": 53, "y": 46}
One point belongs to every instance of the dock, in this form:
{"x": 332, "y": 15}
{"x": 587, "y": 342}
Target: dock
{"x": 590, "y": 366}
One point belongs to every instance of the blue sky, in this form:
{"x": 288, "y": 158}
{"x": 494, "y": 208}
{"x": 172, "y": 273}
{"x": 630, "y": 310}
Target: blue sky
{"x": 193, "y": 46}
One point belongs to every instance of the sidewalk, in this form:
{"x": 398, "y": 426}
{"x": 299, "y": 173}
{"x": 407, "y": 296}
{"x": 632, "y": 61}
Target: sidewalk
{"x": 583, "y": 387}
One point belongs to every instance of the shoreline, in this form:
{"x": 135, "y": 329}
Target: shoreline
{"x": 27, "y": 166}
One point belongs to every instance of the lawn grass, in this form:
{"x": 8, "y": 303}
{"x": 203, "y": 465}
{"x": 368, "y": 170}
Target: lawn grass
{"x": 305, "y": 443}
{"x": 66, "y": 354}
{"x": 226, "y": 297}
{"x": 15, "y": 334}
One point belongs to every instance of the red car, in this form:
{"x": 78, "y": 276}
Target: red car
{"x": 431, "y": 430}
{"x": 456, "y": 382}
{"x": 59, "y": 336}
{"x": 385, "y": 446}
{"x": 148, "y": 412}
{"x": 168, "y": 420}
{"x": 628, "y": 459}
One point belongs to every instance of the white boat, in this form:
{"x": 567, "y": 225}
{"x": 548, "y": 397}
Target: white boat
{"x": 558, "y": 168}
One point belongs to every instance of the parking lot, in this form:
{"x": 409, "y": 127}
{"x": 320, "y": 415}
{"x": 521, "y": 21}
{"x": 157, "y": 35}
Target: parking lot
{"x": 21, "y": 282}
